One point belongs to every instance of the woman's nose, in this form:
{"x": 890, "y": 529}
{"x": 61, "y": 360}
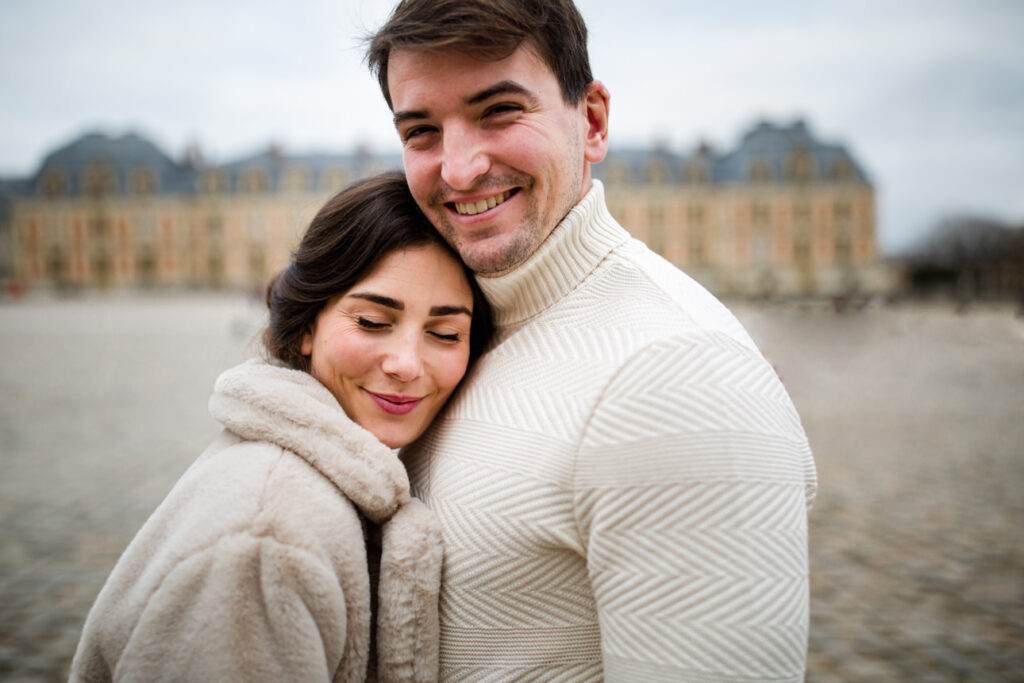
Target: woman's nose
{"x": 402, "y": 358}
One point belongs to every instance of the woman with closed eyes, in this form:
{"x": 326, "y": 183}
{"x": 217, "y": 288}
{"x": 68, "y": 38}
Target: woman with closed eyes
{"x": 291, "y": 549}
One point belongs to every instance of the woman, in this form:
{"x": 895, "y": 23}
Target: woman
{"x": 266, "y": 561}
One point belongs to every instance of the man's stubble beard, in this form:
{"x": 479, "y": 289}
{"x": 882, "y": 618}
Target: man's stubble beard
{"x": 526, "y": 240}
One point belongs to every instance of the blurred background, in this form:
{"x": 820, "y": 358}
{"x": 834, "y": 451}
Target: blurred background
{"x": 850, "y": 178}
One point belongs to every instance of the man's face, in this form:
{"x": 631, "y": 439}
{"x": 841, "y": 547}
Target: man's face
{"x": 494, "y": 156}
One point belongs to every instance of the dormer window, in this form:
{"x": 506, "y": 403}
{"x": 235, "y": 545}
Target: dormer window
{"x": 255, "y": 180}
{"x": 53, "y": 184}
{"x": 213, "y": 180}
{"x": 296, "y": 179}
{"x": 144, "y": 181}
{"x": 842, "y": 169}
{"x": 696, "y": 172}
{"x": 801, "y": 166}
{"x": 618, "y": 173}
{"x": 99, "y": 179}
{"x": 334, "y": 179}
{"x": 760, "y": 171}
{"x": 657, "y": 172}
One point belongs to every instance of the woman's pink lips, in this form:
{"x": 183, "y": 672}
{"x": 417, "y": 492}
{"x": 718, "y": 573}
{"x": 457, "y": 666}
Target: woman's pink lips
{"x": 395, "y": 405}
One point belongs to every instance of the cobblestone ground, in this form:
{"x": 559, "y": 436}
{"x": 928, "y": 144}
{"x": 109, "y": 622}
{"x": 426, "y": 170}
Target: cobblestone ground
{"x": 915, "y": 414}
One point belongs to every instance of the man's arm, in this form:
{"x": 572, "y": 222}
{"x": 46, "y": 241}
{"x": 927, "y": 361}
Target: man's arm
{"x": 693, "y": 483}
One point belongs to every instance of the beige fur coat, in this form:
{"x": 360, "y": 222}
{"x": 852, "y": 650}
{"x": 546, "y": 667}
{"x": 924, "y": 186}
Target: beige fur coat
{"x": 255, "y": 567}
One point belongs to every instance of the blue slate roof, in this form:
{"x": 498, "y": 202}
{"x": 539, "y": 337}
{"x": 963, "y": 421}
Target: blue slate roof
{"x": 769, "y": 147}
{"x": 274, "y": 164}
{"x": 772, "y": 147}
{"x": 125, "y": 154}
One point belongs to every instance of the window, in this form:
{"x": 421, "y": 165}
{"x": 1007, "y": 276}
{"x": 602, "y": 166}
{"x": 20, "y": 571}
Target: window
{"x": 53, "y": 184}
{"x": 334, "y": 179}
{"x": 99, "y": 179}
{"x": 696, "y": 246}
{"x": 696, "y": 172}
{"x": 99, "y": 227}
{"x": 213, "y": 180}
{"x": 801, "y": 212}
{"x": 695, "y": 214}
{"x": 657, "y": 172}
{"x": 618, "y": 173}
{"x": 800, "y": 167}
{"x": 842, "y": 169}
{"x": 255, "y": 180}
{"x": 296, "y": 179}
{"x": 144, "y": 181}
{"x": 760, "y": 171}
{"x": 760, "y": 213}
{"x": 842, "y": 210}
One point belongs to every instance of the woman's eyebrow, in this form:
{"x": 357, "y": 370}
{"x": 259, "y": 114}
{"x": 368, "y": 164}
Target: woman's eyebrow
{"x": 378, "y": 299}
{"x": 450, "y": 310}
{"x": 388, "y": 302}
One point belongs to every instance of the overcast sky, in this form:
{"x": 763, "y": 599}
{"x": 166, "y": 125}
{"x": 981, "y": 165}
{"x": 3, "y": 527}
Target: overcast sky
{"x": 928, "y": 95}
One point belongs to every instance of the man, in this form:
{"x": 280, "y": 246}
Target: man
{"x": 623, "y": 483}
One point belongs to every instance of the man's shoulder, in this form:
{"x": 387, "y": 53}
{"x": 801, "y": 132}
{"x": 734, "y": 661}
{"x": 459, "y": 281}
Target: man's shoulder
{"x": 636, "y": 287}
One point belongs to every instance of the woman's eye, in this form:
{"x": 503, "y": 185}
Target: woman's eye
{"x": 368, "y": 324}
{"x": 453, "y": 337}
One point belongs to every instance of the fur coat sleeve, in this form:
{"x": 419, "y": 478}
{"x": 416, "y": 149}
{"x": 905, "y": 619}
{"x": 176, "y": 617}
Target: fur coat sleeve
{"x": 254, "y": 568}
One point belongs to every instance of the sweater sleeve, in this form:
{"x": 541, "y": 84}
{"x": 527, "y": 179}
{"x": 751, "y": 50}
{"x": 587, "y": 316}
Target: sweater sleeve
{"x": 248, "y": 608}
{"x": 693, "y": 482}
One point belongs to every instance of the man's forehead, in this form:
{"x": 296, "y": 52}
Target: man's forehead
{"x": 418, "y": 72}
{"x": 445, "y": 60}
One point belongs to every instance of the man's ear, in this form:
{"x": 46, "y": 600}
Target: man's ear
{"x": 595, "y": 103}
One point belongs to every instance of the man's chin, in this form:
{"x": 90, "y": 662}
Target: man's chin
{"x": 493, "y": 260}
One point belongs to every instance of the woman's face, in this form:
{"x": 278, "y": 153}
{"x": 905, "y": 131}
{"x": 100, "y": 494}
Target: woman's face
{"x": 393, "y": 347}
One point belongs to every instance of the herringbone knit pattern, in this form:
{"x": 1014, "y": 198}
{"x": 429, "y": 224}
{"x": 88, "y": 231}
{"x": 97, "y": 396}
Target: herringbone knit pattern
{"x": 622, "y": 484}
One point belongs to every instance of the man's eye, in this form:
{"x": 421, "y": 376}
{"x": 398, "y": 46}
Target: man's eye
{"x": 503, "y": 108}
{"x": 416, "y": 132}
{"x": 368, "y": 324}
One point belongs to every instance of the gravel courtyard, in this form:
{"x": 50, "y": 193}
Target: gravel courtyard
{"x": 915, "y": 414}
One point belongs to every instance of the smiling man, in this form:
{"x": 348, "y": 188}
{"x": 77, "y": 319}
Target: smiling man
{"x": 623, "y": 483}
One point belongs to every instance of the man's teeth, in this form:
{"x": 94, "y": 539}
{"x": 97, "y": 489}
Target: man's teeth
{"x": 473, "y": 208}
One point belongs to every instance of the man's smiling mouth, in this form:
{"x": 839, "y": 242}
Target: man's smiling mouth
{"x": 481, "y": 205}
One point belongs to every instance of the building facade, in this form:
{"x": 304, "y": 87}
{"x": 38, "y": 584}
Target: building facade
{"x": 782, "y": 214}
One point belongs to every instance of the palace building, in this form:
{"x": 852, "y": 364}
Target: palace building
{"x": 782, "y": 214}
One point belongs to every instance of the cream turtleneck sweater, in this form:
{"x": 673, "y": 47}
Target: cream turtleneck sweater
{"x": 622, "y": 483}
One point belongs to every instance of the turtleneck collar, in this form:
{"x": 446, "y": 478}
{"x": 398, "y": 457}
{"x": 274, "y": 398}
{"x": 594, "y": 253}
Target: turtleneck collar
{"x": 571, "y": 252}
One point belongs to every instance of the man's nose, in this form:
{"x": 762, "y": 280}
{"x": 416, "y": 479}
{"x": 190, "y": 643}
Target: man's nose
{"x": 464, "y": 159}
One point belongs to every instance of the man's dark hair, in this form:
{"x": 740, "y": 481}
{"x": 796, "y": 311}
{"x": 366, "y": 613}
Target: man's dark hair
{"x": 488, "y": 29}
{"x": 353, "y": 231}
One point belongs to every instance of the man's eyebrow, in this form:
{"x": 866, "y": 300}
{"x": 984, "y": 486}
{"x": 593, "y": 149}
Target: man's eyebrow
{"x": 378, "y": 299}
{"x": 450, "y": 310}
{"x": 402, "y": 116}
{"x": 502, "y": 88}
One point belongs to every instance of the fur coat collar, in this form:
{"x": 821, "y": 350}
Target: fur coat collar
{"x": 259, "y": 401}
{"x": 291, "y": 409}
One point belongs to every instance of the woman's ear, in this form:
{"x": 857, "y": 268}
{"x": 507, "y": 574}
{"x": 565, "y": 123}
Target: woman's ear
{"x": 596, "y": 103}
{"x": 306, "y": 347}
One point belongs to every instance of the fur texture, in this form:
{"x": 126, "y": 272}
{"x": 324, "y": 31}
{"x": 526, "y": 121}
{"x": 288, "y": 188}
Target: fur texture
{"x": 255, "y": 565}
